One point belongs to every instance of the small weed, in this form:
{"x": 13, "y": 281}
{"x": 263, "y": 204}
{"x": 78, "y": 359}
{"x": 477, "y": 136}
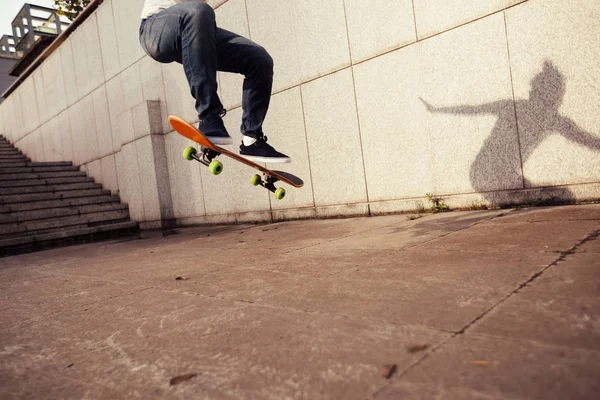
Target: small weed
{"x": 413, "y": 217}
{"x": 438, "y": 203}
{"x": 421, "y": 208}
{"x": 478, "y": 205}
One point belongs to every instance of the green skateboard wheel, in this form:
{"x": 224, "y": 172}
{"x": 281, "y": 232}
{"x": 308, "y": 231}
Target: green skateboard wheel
{"x": 215, "y": 167}
{"x": 255, "y": 180}
{"x": 280, "y": 193}
{"x": 188, "y": 152}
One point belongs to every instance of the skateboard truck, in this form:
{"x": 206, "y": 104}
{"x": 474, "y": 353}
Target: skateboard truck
{"x": 268, "y": 183}
{"x": 206, "y": 157}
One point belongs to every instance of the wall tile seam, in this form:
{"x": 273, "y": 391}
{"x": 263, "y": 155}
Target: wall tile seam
{"x": 310, "y": 170}
{"x": 131, "y": 64}
{"x": 470, "y": 21}
{"x": 95, "y": 15}
{"x": 63, "y": 81}
{"x": 96, "y": 159}
{"x": 247, "y": 19}
{"x": 92, "y": 90}
{"x": 37, "y": 97}
{"x": 360, "y": 141}
{"x": 99, "y": 159}
{"x": 135, "y": 150}
{"x": 104, "y": 4}
{"x": 95, "y": 122}
{"x": 114, "y": 25}
{"x": 415, "y": 21}
{"x": 432, "y": 173}
{"x": 34, "y": 104}
{"x": 514, "y": 99}
{"x": 135, "y": 139}
{"x": 347, "y": 32}
{"x": 70, "y": 40}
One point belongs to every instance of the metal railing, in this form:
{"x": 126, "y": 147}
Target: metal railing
{"x": 7, "y": 46}
{"x": 33, "y": 23}
{"x": 61, "y": 38}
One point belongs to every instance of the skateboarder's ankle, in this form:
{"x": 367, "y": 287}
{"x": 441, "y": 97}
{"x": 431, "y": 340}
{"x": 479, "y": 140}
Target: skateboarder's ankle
{"x": 248, "y": 140}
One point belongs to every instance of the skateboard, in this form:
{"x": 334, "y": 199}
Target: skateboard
{"x": 209, "y": 152}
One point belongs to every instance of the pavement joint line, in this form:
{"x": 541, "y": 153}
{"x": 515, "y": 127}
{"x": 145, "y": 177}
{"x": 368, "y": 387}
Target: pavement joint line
{"x": 533, "y": 342}
{"x": 564, "y": 254}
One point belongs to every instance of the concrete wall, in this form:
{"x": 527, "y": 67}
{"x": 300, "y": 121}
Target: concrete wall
{"x": 378, "y": 102}
{"x": 5, "y": 79}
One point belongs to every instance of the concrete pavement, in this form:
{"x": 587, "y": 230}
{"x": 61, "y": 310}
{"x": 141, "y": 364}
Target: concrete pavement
{"x": 478, "y": 305}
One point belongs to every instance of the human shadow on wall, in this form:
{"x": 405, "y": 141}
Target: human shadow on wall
{"x": 538, "y": 118}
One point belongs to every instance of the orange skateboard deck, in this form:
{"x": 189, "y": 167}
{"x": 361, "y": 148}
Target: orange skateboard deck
{"x": 210, "y": 151}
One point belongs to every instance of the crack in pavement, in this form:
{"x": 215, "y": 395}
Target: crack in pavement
{"x": 563, "y": 256}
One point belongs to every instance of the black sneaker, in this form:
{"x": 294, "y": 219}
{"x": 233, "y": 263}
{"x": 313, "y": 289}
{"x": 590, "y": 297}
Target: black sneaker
{"x": 212, "y": 127}
{"x": 261, "y": 151}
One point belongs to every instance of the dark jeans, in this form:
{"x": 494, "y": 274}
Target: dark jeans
{"x": 188, "y": 34}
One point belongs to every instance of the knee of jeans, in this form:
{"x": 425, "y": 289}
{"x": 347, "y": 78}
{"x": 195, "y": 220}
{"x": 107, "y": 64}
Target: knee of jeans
{"x": 199, "y": 10}
{"x": 265, "y": 60}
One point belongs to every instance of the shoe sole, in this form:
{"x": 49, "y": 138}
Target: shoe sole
{"x": 219, "y": 140}
{"x": 272, "y": 160}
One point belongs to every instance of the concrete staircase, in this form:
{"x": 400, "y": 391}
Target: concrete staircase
{"x": 53, "y": 204}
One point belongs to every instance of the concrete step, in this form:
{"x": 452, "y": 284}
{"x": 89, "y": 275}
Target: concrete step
{"x": 17, "y": 164}
{"x": 35, "y": 215}
{"x": 35, "y": 170}
{"x": 28, "y": 244}
{"x": 13, "y": 158}
{"x": 37, "y": 164}
{"x": 10, "y": 163}
{"x": 40, "y": 175}
{"x": 41, "y": 182}
{"x": 50, "y": 164}
{"x": 24, "y": 198}
{"x": 10, "y": 152}
{"x": 44, "y": 204}
{"x": 36, "y": 227}
{"x": 48, "y": 188}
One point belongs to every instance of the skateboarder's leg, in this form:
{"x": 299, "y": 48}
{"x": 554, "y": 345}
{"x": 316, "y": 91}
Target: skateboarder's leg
{"x": 186, "y": 33}
{"x": 240, "y": 55}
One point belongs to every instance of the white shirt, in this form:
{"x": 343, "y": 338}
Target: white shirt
{"x": 152, "y": 7}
